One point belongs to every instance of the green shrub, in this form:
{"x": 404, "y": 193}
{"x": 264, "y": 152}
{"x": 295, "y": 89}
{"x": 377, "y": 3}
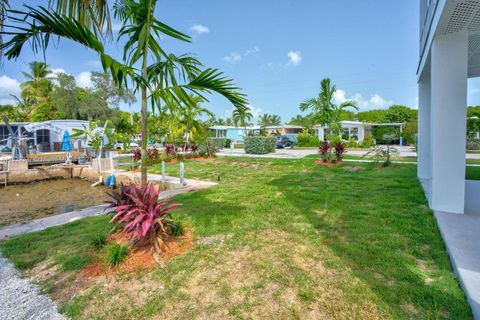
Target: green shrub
{"x": 351, "y": 143}
{"x": 98, "y": 240}
{"x": 228, "y": 142}
{"x": 259, "y": 145}
{"x": 208, "y": 147}
{"x": 177, "y": 229}
{"x": 219, "y": 143}
{"x": 116, "y": 253}
{"x": 473, "y": 144}
{"x": 304, "y": 139}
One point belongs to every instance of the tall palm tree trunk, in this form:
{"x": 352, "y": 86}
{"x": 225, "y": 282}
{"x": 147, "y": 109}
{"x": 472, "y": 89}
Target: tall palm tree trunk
{"x": 144, "y": 114}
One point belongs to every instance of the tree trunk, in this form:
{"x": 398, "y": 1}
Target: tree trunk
{"x": 144, "y": 113}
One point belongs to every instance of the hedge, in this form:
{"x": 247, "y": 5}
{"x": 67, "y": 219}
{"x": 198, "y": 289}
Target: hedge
{"x": 259, "y": 144}
{"x": 219, "y": 143}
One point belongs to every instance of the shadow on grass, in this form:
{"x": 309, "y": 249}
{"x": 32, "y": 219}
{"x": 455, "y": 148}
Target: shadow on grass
{"x": 378, "y": 223}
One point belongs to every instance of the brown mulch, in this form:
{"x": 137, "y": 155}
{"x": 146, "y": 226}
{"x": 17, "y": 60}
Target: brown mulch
{"x": 329, "y": 163}
{"x": 140, "y": 255}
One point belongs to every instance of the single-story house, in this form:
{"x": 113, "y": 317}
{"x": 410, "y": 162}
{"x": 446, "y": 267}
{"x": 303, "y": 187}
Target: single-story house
{"x": 44, "y": 136}
{"x": 236, "y": 134}
{"x": 285, "y": 129}
{"x": 356, "y": 130}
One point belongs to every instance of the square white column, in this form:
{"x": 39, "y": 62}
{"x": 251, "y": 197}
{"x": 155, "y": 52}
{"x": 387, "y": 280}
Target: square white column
{"x": 449, "y": 67}
{"x": 321, "y": 133}
{"x": 423, "y": 140}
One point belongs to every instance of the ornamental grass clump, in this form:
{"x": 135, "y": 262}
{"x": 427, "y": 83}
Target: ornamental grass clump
{"x": 142, "y": 215}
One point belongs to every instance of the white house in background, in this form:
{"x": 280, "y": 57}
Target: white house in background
{"x": 284, "y": 129}
{"x": 449, "y": 55}
{"x": 351, "y": 130}
{"x": 44, "y": 136}
{"x": 356, "y": 130}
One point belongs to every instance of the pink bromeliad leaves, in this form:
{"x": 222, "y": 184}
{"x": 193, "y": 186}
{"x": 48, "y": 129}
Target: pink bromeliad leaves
{"x": 141, "y": 211}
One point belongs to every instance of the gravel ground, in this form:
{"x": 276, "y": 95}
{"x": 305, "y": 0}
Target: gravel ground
{"x": 20, "y": 299}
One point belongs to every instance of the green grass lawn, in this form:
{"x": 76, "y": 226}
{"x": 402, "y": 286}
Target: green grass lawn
{"x": 298, "y": 241}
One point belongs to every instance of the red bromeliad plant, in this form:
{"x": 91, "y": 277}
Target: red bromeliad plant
{"x": 324, "y": 151}
{"x": 137, "y": 155}
{"x": 143, "y": 215}
{"x": 170, "y": 150}
{"x": 339, "y": 150}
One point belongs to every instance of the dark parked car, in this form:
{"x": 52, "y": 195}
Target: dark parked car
{"x": 285, "y": 141}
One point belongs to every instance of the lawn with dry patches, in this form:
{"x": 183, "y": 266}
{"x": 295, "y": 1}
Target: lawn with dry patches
{"x": 277, "y": 239}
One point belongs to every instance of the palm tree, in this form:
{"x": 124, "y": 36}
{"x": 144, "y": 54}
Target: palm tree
{"x": 220, "y": 122}
{"x": 275, "y": 120}
{"x": 187, "y": 117}
{"x": 241, "y": 116}
{"x": 269, "y": 120}
{"x": 37, "y": 88}
{"x": 324, "y": 109}
{"x": 264, "y": 120}
{"x": 169, "y": 78}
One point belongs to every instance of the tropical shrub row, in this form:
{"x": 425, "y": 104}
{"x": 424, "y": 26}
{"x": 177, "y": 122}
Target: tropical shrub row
{"x": 259, "y": 145}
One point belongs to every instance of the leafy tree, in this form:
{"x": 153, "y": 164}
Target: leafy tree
{"x": 113, "y": 94}
{"x": 325, "y": 110}
{"x": 400, "y": 114}
{"x": 13, "y": 113}
{"x": 307, "y": 121}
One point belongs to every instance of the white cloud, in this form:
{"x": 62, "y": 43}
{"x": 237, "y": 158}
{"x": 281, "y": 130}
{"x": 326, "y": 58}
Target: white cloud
{"x": 236, "y": 56}
{"x": 295, "y": 57}
{"x": 374, "y": 102}
{"x": 83, "y": 79}
{"x": 251, "y": 51}
{"x": 233, "y": 57}
{"x": 200, "y": 29}
{"x": 256, "y": 112}
{"x": 56, "y": 72}
{"x": 8, "y": 87}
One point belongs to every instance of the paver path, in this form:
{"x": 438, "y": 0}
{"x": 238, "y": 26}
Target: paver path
{"x": 20, "y": 299}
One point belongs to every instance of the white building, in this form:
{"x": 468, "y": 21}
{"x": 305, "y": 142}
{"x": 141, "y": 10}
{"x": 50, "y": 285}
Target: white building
{"x": 44, "y": 136}
{"x": 356, "y": 130}
{"x": 449, "y": 55}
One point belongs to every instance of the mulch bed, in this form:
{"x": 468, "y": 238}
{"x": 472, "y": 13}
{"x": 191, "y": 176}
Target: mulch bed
{"x": 140, "y": 256}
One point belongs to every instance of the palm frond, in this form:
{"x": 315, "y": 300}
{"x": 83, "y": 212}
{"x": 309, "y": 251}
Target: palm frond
{"x": 37, "y": 26}
{"x": 93, "y": 14}
{"x": 348, "y": 104}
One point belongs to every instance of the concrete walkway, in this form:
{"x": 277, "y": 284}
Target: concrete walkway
{"x": 56, "y": 220}
{"x": 300, "y": 153}
{"x": 461, "y": 235}
{"x": 20, "y": 299}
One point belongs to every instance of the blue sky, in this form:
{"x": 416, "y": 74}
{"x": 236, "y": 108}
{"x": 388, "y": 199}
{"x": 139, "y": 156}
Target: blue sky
{"x": 278, "y": 51}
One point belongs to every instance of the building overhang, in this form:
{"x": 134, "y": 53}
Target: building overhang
{"x": 448, "y": 17}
